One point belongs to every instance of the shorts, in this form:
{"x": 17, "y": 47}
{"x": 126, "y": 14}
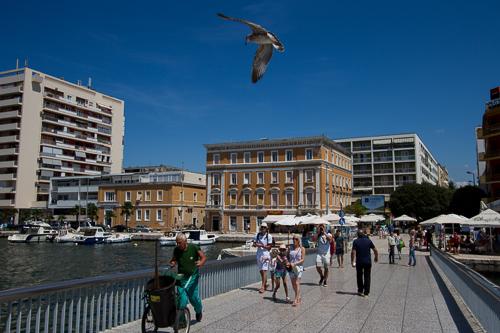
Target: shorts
{"x": 263, "y": 262}
{"x": 280, "y": 273}
{"x": 339, "y": 251}
{"x": 296, "y": 273}
{"x": 323, "y": 260}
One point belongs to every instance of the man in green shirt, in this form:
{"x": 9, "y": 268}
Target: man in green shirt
{"x": 189, "y": 258}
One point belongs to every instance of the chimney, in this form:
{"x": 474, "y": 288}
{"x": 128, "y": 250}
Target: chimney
{"x": 89, "y": 85}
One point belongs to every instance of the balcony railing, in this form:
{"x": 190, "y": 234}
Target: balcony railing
{"x": 383, "y": 171}
{"x": 384, "y": 183}
{"x": 404, "y": 157}
{"x": 405, "y": 170}
{"x": 404, "y": 182}
{"x": 362, "y": 160}
{"x": 382, "y": 159}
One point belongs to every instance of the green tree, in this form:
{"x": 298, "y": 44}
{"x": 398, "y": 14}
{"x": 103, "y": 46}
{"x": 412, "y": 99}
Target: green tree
{"x": 466, "y": 201}
{"x": 127, "y": 209}
{"x": 423, "y": 201}
{"x": 92, "y": 212}
{"x": 7, "y": 214}
{"x": 355, "y": 208}
{"x": 48, "y": 216}
{"x": 37, "y": 214}
{"x": 24, "y": 215}
{"x": 108, "y": 217}
{"x": 61, "y": 219}
{"x": 77, "y": 210}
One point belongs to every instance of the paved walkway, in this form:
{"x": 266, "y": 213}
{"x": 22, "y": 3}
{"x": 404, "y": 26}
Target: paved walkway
{"x": 402, "y": 299}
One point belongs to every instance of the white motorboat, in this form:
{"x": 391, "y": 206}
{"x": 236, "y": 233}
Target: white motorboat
{"x": 92, "y": 235}
{"x": 200, "y": 237}
{"x": 169, "y": 240}
{"x": 32, "y": 232}
{"x": 66, "y": 235}
{"x": 240, "y": 251}
{"x": 119, "y": 238}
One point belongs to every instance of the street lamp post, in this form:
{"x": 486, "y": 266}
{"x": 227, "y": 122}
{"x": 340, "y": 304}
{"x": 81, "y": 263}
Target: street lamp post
{"x": 473, "y": 177}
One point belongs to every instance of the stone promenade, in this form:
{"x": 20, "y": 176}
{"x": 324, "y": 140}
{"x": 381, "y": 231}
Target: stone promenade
{"x": 402, "y": 299}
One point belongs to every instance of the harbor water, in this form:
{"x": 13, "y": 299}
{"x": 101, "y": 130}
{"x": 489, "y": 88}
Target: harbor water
{"x": 23, "y": 265}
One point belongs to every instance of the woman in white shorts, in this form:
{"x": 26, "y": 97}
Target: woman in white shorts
{"x": 296, "y": 259}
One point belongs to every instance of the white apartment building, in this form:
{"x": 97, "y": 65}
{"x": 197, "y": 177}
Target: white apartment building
{"x": 382, "y": 163}
{"x": 50, "y": 127}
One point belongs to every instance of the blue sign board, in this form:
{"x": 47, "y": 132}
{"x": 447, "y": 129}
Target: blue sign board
{"x": 373, "y": 202}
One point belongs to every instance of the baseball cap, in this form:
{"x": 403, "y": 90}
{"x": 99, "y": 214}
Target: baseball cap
{"x": 264, "y": 224}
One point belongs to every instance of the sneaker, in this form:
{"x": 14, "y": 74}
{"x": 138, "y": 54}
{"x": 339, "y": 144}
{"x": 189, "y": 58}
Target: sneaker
{"x": 365, "y": 295}
{"x": 324, "y": 284}
{"x": 198, "y": 317}
{"x": 321, "y": 281}
{"x": 360, "y": 293}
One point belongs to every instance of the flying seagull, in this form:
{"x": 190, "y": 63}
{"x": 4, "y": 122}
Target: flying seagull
{"x": 266, "y": 40}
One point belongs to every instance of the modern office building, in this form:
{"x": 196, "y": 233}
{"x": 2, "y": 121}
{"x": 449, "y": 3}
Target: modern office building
{"x": 246, "y": 181}
{"x": 382, "y": 163}
{"x": 50, "y": 127}
{"x": 164, "y": 200}
{"x": 489, "y": 136}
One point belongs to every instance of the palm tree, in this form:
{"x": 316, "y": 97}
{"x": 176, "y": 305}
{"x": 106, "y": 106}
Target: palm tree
{"x": 127, "y": 209}
{"x": 76, "y": 211}
{"x": 7, "y": 213}
{"x": 36, "y": 214}
{"x": 109, "y": 216}
{"x": 61, "y": 219}
{"x": 92, "y": 212}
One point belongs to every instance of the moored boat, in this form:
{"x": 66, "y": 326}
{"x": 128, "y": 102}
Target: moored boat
{"x": 169, "y": 240}
{"x": 32, "y": 232}
{"x": 240, "y": 251}
{"x": 119, "y": 238}
{"x": 92, "y": 235}
{"x": 200, "y": 237}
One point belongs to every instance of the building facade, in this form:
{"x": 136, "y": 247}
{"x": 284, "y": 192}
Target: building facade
{"x": 165, "y": 200}
{"x": 246, "y": 181}
{"x": 50, "y": 127}
{"x": 382, "y": 163}
{"x": 489, "y": 136}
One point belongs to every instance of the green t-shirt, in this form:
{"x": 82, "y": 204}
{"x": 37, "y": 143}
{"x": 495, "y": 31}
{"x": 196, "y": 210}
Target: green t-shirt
{"x": 186, "y": 259}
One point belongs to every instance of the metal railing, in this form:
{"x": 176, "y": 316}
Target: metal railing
{"x": 103, "y": 302}
{"x": 481, "y": 296}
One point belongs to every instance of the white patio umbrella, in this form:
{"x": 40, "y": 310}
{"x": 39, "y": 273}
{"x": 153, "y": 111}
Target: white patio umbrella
{"x": 275, "y": 218}
{"x": 486, "y": 219}
{"x": 405, "y": 218}
{"x": 332, "y": 217}
{"x": 346, "y": 224}
{"x": 371, "y": 218}
{"x": 315, "y": 220}
{"x": 289, "y": 221}
{"x": 351, "y": 218}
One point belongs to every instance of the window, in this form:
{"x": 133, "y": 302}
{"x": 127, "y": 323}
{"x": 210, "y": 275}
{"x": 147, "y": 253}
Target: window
{"x": 326, "y": 155}
{"x": 246, "y": 179}
{"x": 159, "y": 195}
{"x": 274, "y": 177}
{"x": 274, "y": 156}
{"x": 309, "y": 176}
{"x": 247, "y": 157}
{"x": 138, "y": 196}
{"x": 128, "y": 196}
{"x": 234, "y": 158}
{"x": 181, "y": 196}
{"x": 232, "y": 223}
{"x": 216, "y": 159}
{"x": 309, "y": 199}
{"x": 195, "y": 197}
{"x": 232, "y": 199}
{"x": 260, "y": 177}
{"x": 216, "y": 179}
{"x": 274, "y": 200}
{"x": 146, "y": 215}
{"x": 158, "y": 215}
{"x": 289, "y": 177}
{"x": 260, "y": 199}
{"x": 246, "y": 199}
{"x": 233, "y": 179}
{"x": 109, "y": 196}
{"x": 289, "y": 155}
{"x": 246, "y": 223}
{"x": 309, "y": 154}
{"x": 260, "y": 157}
{"x": 138, "y": 214}
{"x": 289, "y": 199}
{"x": 260, "y": 219}
{"x": 147, "y": 196}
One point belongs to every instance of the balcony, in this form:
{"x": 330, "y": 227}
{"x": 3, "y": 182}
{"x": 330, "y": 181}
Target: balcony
{"x": 9, "y": 127}
{"x": 382, "y": 159}
{"x": 404, "y": 158}
{"x": 479, "y": 133}
{"x": 8, "y": 176}
{"x": 10, "y": 101}
{"x": 8, "y": 151}
{"x": 405, "y": 182}
{"x": 384, "y": 183}
{"x": 492, "y": 177}
{"x": 382, "y": 171}
{"x": 361, "y": 148}
{"x": 11, "y": 90}
{"x": 76, "y": 189}
{"x": 361, "y": 160}
{"x": 8, "y": 164}
{"x": 405, "y": 170}
{"x": 12, "y": 78}
{"x": 489, "y": 155}
{"x": 7, "y": 202}
{"x": 9, "y": 138}
{"x": 10, "y": 114}
{"x": 75, "y": 104}
{"x": 9, "y": 189}
{"x": 491, "y": 130}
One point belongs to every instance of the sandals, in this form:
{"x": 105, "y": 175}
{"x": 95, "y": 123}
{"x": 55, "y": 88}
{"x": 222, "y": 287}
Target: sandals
{"x": 261, "y": 290}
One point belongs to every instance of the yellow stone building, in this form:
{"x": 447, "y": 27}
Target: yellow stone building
{"x": 246, "y": 181}
{"x": 166, "y": 201}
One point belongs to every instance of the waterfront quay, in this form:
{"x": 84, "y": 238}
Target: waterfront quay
{"x": 403, "y": 299}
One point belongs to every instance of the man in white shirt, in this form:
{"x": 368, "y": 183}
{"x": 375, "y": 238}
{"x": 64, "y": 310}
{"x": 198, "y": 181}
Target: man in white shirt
{"x": 323, "y": 254}
{"x": 263, "y": 241}
{"x": 391, "y": 241}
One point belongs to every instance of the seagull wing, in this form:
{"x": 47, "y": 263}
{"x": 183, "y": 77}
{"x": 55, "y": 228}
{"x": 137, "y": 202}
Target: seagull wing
{"x": 253, "y": 26}
{"x": 260, "y": 61}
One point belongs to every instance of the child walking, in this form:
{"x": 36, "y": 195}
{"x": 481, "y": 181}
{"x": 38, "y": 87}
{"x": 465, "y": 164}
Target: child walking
{"x": 280, "y": 271}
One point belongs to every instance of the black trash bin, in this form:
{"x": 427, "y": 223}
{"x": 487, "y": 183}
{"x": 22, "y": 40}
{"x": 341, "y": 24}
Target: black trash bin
{"x": 162, "y": 301}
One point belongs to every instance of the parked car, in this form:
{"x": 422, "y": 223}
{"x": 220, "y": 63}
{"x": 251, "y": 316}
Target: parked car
{"x": 143, "y": 228}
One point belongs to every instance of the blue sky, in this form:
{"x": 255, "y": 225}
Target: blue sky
{"x": 349, "y": 69}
